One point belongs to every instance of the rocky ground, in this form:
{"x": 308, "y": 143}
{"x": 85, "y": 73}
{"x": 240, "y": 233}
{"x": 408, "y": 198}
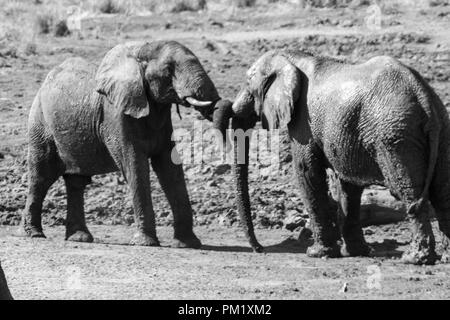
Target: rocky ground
{"x": 226, "y": 41}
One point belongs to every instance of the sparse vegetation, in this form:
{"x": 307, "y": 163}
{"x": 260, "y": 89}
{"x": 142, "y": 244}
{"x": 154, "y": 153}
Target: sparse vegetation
{"x": 244, "y": 3}
{"x": 189, "y": 5}
{"x": 61, "y": 29}
{"x": 110, "y": 6}
{"x": 44, "y": 23}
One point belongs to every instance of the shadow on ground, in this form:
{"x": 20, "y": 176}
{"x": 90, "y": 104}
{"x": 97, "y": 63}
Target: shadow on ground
{"x": 388, "y": 248}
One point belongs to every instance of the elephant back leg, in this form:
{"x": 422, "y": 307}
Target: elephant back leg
{"x": 171, "y": 178}
{"x": 309, "y": 167}
{"x": 404, "y": 167}
{"x": 440, "y": 193}
{"x": 76, "y": 229}
{"x": 44, "y": 168}
{"x": 350, "y": 202}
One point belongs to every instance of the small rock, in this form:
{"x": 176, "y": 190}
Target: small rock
{"x": 305, "y": 234}
{"x": 344, "y": 288}
{"x": 217, "y": 24}
{"x": 210, "y": 46}
{"x": 293, "y": 220}
{"x": 212, "y": 184}
{"x": 222, "y": 169}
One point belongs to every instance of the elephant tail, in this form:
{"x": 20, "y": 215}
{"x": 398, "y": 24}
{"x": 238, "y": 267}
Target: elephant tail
{"x": 433, "y": 130}
{"x": 433, "y": 143}
{"x": 435, "y": 111}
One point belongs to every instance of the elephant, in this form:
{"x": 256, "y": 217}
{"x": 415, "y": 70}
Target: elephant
{"x": 4, "y": 290}
{"x": 376, "y": 122}
{"x": 87, "y": 120}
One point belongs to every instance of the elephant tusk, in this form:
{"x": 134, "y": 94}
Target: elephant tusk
{"x": 196, "y": 103}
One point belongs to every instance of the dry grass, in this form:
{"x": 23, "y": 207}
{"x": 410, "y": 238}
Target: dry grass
{"x": 48, "y": 16}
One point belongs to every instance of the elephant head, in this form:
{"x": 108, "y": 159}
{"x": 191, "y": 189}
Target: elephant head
{"x": 135, "y": 77}
{"x": 275, "y": 93}
{"x": 4, "y": 291}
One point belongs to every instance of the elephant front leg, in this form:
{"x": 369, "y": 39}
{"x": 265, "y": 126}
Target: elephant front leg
{"x": 350, "y": 202}
{"x": 136, "y": 171}
{"x": 171, "y": 178}
{"x": 311, "y": 175}
{"x": 76, "y": 229}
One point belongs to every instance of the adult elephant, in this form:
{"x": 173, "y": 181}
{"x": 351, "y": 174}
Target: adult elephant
{"x": 86, "y": 121}
{"x": 377, "y": 122}
{"x": 4, "y": 291}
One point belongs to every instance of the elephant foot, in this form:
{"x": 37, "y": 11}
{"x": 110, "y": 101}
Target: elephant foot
{"x": 421, "y": 251}
{"x": 419, "y": 257}
{"x": 31, "y": 232}
{"x": 142, "y": 239}
{"x": 445, "y": 258}
{"x": 445, "y": 249}
{"x": 190, "y": 241}
{"x": 79, "y": 236}
{"x": 355, "y": 249}
{"x": 257, "y": 247}
{"x": 319, "y": 251}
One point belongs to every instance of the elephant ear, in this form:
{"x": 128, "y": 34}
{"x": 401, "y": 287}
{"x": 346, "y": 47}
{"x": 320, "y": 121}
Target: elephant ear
{"x": 120, "y": 78}
{"x": 285, "y": 101}
{"x": 281, "y": 94}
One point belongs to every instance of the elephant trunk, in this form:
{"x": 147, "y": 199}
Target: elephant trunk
{"x": 4, "y": 291}
{"x": 240, "y": 173}
{"x": 221, "y": 117}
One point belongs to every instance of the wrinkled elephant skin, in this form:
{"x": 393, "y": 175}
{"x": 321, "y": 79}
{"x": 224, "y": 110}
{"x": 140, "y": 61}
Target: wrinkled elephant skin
{"x": 376, "y": 122}
{"x": 87, "y": 120}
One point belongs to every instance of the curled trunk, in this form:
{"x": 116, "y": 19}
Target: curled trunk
{"x": 4, "y": 291}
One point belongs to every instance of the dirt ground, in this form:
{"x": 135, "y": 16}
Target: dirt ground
{"x": 224, "y": 268}
{"x": 226, "y": 41}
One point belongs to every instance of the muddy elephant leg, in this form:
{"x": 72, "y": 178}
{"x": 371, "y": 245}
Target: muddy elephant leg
{"x": 76, "y": 229}
{"x": 171, "y": 178}
{"x": 310, "y": 171}
{"x": 4, "y": 290}
{"x": 422, "y": 247}
{"x": 405, "y": 169}
{"x": 440, "y": 195}
{"x": 136, "y": 171}
{"x": 442, "y": 210}
{"x": 43, "y": 171}
{"x": 350, "y": 202}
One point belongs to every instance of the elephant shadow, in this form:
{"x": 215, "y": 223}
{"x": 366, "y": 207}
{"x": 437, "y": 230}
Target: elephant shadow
{"x": 388, "y": 248}
{"x": 289, "y": 245}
